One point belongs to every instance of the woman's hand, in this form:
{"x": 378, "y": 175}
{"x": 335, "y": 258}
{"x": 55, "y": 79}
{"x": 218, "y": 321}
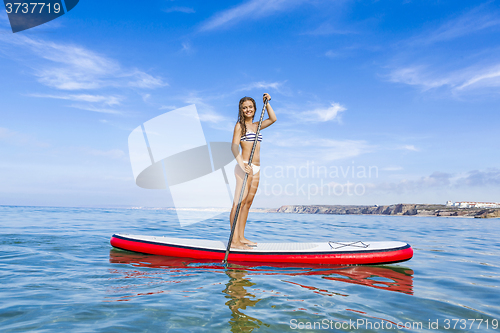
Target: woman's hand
{"x": 266, "y": 96}
{"x": 248, "y": 169}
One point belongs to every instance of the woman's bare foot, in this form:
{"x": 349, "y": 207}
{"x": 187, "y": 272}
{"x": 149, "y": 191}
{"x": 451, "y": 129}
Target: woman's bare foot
{"x": 240, "y": 246}
{"x": 248, "y": 242}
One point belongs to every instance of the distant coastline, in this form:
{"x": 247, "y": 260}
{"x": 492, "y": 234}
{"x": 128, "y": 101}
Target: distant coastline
{"x": 397, "y": 209}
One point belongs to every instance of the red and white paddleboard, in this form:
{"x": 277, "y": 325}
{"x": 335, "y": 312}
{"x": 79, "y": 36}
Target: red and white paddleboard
{"x": 337, "y": 253}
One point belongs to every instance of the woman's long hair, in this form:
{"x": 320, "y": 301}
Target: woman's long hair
{"x": 241, "y": 117}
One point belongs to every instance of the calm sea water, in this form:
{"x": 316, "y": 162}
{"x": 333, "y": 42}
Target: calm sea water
{"x": 59, "y": 273}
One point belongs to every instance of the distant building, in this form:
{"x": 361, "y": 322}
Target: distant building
{"x": 472, "y": 204}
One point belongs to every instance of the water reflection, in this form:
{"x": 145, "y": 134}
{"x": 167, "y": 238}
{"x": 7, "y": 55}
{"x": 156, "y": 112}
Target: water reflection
{"x": 176, "y": 274}
{"x": 392, "y": 278}
{"x": 240, "y": 299}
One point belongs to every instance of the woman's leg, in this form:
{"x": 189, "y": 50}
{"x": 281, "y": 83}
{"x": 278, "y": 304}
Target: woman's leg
{"x": 239, "y": 174}
{"x": 246, "y": 208}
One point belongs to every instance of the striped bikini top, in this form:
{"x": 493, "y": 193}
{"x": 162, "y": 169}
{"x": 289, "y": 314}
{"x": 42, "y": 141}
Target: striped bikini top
{"x": 250, "y": 136}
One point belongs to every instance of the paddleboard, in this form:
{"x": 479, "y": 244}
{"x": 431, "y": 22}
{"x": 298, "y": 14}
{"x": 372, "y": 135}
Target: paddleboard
{"x": 336, "y": 253}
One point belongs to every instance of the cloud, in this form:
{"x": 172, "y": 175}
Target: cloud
{"x": 4, "y": 21}
{"x": 212, "y": 117}
{"x": 20, "y": 139}
{"x": 179, "y": 9}
{"x": 327, "y": 29}
{"x": 325, "y": 114}
{"x": 168, "y": 107}
{"x": 72, "y": 67}
{"x": 441, "y": 180}
{"x": 319, "y": 148}
{"x": 187, "y": 48}
{"x": 436, "y": 179}
{"x": 113, "y": 153}
{"x": 95, "y": 109}
{"x": 146, "y": 97}
{"x": 331, "y": 54}
{"x": 418, "y": 76}
{"x": 253, "y": 9}
{"x": 392, "y": 168}
{"x": 458, "y": 81}
{"x": 409, "y": 147}
{"x": 107, "y": 100}
{"x": 208, "y": 114}
{"x": 487, "y": 77}
{"x": 474, "y": 21}
{"x": 471, "y": 69}
{"x": 261, "y": 85}
{"x": 489, "y": 177}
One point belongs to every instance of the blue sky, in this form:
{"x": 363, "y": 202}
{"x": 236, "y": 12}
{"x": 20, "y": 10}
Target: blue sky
{"x": 407, "y": 89}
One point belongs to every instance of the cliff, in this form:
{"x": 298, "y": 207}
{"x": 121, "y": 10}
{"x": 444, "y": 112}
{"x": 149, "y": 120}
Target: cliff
{"x": 399, "y": 209}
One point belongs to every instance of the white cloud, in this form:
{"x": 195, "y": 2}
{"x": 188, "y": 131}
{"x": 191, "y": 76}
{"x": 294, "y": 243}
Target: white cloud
{"x": 113, "y": 153}
{"x": 319, "y": 148}
{"x": 72, "y": 67}
{"x": 458, "y": 81}
{"x": 471, "y": 71}
{"x": 208, "y": 114}
{"x": 437, "y": 179}
{"x": 392, "y": 168}
{"x": 187, "y": 48}
{"x": 488, "y": 177}
{"x": 20, "y": 139}
{"x": 327, "y": 28}
{"x": 4, "y": 20}
{"x": 325, "y": 114}
{"x": 261, "y": 85}
{"x": 418, "y": 76}
{"x": 95, "y": 109}
{"x": 143, "y": 80}
{"x": 409, "y": 147}
{"x": 441, "y": 180}
{"x": 488, "y": 77}
{"x": 331, "y": 54}
{"x": 471, "y": 22}
{"x": 212, "y": 117}
{"x": 253, "y": 9}
{"x": 180, "y": 9}
{"x": 146, "y": 97}
{"x": 168, "y": 107}
{"x": 107, "y": 100}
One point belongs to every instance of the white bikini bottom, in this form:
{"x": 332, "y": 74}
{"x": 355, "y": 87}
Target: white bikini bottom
{"x": 255, "y": 168}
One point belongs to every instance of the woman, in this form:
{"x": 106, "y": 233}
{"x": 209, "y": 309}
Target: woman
{"x": 244, "y": 136}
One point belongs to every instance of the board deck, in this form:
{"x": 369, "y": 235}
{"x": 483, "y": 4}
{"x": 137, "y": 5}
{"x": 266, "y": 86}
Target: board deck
{"x": 344, "y": 253}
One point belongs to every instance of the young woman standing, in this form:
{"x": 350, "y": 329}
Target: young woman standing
{"x": 244, "y": 136}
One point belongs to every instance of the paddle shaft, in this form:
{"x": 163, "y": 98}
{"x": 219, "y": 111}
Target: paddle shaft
{"x": 235, "y": 220}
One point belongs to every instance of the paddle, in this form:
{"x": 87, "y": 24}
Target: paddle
{"x": 244, "y": 185}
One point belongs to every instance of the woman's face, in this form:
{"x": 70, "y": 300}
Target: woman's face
{"x": 248, "y": 109}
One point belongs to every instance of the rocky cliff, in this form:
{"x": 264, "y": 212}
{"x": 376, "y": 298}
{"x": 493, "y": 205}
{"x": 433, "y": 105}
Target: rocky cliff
{"x": 399, "y": 209}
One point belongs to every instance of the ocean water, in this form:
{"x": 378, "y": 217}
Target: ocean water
{"x": 59, "y": 273}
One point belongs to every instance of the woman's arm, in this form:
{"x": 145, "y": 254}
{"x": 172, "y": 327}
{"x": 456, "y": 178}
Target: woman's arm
{"x": 270, "y": 112}
{"x": 235, "y": 148}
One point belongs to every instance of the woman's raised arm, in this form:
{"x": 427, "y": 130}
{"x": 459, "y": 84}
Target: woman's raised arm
{"x": 270, "y": 112}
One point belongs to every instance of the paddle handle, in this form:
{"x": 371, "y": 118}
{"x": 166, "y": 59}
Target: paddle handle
{"x": 235, "y": 220}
